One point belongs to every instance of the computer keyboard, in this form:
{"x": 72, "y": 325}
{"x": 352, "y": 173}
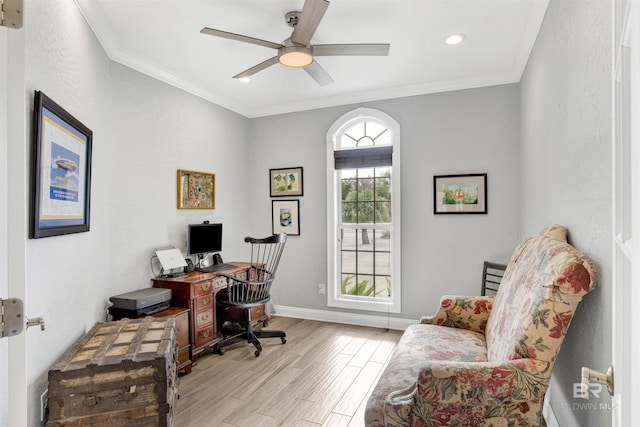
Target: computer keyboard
{"x": 215, "y": 268}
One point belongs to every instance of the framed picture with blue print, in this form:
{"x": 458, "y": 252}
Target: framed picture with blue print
{"x": 286, "y": 217}
{"x": 61, "y": 174}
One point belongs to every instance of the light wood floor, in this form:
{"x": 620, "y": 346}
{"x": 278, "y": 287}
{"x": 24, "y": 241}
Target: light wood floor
{"x": 322, "y": 376}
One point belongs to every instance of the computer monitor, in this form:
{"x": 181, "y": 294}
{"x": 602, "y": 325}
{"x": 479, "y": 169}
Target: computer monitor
{"x": 204, "y": 238}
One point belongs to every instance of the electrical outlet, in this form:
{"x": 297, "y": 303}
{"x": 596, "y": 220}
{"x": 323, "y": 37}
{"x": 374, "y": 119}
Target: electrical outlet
{"x": 322, "y": 288}
{"x": 44, "y": 405}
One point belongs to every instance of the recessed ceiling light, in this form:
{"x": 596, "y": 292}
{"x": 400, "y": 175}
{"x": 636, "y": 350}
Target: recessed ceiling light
{"x": 454, "y": 39}
{"x": 244, "y": 79}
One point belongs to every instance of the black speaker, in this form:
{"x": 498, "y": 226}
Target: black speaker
{"x": 217, "y": 259}
{"x": 189, "y": 268}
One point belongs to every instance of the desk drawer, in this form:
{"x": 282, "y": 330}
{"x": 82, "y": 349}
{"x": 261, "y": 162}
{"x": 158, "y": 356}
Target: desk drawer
{"x": 220, "y": 282}
{"x": 203, "y": 318}
{"x": 204, "y": 302}
{"x": 257, "y": 312}
{"x": 239, "y": 314}
{"x": 203, "y": 288}
{"x": 204, "y": 336}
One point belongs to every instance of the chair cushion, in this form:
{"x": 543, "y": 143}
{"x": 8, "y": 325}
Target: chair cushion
{"x": 421, "y": 344}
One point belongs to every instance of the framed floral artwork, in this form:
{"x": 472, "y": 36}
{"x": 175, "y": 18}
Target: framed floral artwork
{"x": 460, "y": 194}
{"x": 286, "y": 182}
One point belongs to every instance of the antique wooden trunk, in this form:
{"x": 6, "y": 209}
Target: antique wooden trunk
{"x": 120, "y": 373}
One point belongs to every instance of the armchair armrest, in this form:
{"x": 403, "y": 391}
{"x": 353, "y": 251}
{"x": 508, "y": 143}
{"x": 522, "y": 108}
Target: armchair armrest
{"x": 469, "y": 313}
{"x": 484, "y": 383}
{"x": 505, "y": 389}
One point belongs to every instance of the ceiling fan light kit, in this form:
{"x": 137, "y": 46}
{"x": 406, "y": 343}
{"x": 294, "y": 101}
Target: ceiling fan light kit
{"x": 295, "y": 56}
{"x": 297, "y": 51}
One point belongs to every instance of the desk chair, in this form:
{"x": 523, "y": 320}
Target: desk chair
{"x": 247, "y": 293}
{"x": 491, "y": 277}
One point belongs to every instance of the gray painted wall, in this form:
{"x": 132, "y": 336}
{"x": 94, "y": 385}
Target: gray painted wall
{"x": 554, "y": 126}
{"x": 566, "y": 176}
{"x": 470, "y": 131}
{"x": 144, "y": 130}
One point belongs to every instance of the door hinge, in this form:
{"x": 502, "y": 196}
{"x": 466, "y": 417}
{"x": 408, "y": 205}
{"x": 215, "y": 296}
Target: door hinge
{"x": 11, "y": 317}
{"x": 11, "y": 13}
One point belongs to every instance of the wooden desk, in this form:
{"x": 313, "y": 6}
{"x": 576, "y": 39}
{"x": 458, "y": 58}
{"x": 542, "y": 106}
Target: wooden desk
{"x": 181, "y": 315}
{"x": 197, "y": 292}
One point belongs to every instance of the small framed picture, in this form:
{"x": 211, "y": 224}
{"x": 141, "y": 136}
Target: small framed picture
{"x": 286, "y": 182}
{"x": 196, "y": 190}
{"x": 460, "y": 194}
{"x": 286, "y": 217}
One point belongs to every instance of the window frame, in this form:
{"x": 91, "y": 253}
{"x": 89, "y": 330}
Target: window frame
{"x": 334, "y": 297}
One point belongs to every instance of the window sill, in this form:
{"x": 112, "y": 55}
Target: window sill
{"x": 364, "y": 304}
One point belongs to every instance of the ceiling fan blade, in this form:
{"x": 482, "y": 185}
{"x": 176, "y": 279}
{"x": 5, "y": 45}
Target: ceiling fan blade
{"x": 257, "y": 68}
{"x": 310, "y": 17}
{"x": 239, "y": 37}
{"x": 318, "y": 74}
{"x": 366, "y": 49}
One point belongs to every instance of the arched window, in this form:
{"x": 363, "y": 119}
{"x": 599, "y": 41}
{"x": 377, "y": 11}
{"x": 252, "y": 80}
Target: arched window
{"x": 363, "y": 212}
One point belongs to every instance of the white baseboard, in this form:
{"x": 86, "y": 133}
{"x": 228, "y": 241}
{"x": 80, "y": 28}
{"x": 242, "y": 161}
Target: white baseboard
{"x": 342, "y": 317}
{"x": 379, "y": 322}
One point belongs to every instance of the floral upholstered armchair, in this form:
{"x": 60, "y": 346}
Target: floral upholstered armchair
{"x": 487, "y": 361}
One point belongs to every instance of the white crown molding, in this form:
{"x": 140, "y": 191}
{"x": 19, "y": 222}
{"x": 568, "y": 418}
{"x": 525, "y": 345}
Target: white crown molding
{"x": 390, "y": 93}
{"x": 530, "y": 36}
{"x": 156, "y": 72}
{"x": 93, "y": 15}
{"x": 343, "y": 317}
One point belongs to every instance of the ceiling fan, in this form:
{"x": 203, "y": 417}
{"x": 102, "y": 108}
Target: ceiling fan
{"x": 296, "y": 51}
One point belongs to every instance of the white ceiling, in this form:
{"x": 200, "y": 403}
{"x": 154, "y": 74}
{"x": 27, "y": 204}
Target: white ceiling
{"x": 162, "y": 38}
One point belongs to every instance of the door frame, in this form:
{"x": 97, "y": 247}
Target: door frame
{"x": 4, "y": 287}
{"x": 625, "y": 226}
{"x": 15, "y": 213}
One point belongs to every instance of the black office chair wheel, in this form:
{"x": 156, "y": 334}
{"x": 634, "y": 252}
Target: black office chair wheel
{"x": 219, "y": 351}
{"x": 284, "y": 340}
{"x": 257, "y": 353}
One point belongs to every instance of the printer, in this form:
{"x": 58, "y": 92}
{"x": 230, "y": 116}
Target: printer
{"x": 142, "y": 302}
